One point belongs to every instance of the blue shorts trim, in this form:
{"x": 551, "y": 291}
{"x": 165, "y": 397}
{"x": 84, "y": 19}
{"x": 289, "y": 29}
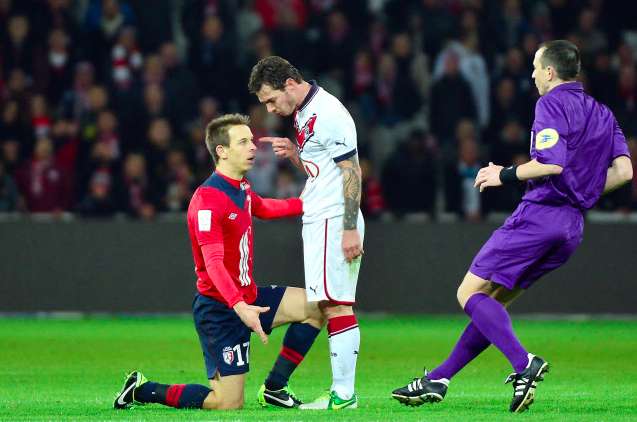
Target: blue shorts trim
{"x": 224, "y": 338}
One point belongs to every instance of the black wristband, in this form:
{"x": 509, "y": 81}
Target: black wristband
{"x": 508, "y": 175}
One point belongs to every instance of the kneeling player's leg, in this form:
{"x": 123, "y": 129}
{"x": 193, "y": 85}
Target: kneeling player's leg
{"x": 344, "y": 341}
{"x": 227, "y": 392}
{"x": 225, "y": 342}
{"x": 138, "y": 390}
{"x": 173, "y": 395}
{"x": 305, "y": 321}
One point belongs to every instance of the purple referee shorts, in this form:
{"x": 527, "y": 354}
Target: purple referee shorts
{"x": 533, "y": 241}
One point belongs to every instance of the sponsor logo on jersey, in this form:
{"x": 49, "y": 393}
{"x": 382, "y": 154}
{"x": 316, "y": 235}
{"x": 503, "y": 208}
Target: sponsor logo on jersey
{"x": 232, "y": 216}
{"x": 228, "y": 355}
{"x": 546, "y": 138}
{"x": 305, "y": 133}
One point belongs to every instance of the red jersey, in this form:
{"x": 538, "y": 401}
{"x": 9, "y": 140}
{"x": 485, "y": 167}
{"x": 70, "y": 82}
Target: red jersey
{"x": 220, "y": 227}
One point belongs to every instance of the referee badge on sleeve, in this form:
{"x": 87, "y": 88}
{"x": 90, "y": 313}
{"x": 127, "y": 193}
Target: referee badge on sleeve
{"x": 204, "y": 220}
{"x": 546, "y": 138}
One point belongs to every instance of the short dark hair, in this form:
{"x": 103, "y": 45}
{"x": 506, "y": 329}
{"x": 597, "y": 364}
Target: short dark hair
{"x": 563, "y": 56}
{"x": 217, "y": 131}
{"x": 274, "y": 71}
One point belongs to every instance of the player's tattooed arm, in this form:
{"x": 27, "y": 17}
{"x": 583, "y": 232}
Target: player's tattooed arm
{"x": 352, "y": 185}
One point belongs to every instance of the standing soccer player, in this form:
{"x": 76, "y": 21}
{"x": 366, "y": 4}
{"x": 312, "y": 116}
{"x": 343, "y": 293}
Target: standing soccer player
{"x": 578, "y": 152}
{"x": 228, "y": 304}
{"x": 333, "y": 226}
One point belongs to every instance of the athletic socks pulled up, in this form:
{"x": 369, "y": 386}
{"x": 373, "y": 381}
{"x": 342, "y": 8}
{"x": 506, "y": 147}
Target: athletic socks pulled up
{"x": 344, "y": 340}
{"x": 297, "y": 342}
{"x": 493, "y": 321}
{"x": 470, "y": 344}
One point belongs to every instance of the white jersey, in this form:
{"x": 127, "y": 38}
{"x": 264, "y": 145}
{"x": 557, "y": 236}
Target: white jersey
{"x": 325, "y": 135}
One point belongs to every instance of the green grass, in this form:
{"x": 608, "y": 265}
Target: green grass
{"x": 70, "y": 369}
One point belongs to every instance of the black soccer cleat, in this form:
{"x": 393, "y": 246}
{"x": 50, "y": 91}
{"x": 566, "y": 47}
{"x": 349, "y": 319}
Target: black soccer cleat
{"x": 124, "y": 398}
{"x": 422, "y": 390}
{"x": 525, "y": 383}
{"x": 284, "y": 397}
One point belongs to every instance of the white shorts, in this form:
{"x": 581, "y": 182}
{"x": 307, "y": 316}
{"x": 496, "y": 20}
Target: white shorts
{"x": 327, "y": 275}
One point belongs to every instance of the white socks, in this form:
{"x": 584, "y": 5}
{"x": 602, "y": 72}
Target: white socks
{"x": 344, "y": 339}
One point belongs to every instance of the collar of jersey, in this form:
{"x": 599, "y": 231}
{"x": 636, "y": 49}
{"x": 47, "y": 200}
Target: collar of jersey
{"x": 313, "y": 90}
{"x": 568, "y": 86}
{"x": 233, "y": 182}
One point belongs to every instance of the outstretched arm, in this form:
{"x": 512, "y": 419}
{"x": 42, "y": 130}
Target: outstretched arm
{"x": 620, "y": 172}
{"x": 352, "y": 185}
{"x": 267, "y": 208}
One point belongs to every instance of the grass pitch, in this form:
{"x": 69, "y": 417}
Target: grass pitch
{"x": 70, "y": 370}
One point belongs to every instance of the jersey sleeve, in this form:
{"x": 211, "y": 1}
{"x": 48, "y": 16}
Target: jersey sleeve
{"x": 620, "y": 146}
{"x": 209, "y": 218}
{"x": 267, "y": 208}
{"x": 340, "y": 139}
{"x": 213, "y": 257}
{"x": 550, "y": 130}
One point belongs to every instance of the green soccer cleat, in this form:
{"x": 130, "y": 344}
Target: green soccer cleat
{"x": 331, "y": 401}
{"x": 284, "y": 397}
{"x": 124, "y": 398}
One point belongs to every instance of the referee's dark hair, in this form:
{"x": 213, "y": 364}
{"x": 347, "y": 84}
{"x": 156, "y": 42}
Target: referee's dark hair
{"x": 564, "y": 57}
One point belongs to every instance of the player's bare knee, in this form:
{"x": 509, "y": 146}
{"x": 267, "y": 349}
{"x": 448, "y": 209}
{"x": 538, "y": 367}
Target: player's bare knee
{"x": 226, "y": 406}
{"x": 219, "y": 402}
{"x": 463, "y": 294}
{"x": 212, "y": 401}
{"x": 231, "y": 404}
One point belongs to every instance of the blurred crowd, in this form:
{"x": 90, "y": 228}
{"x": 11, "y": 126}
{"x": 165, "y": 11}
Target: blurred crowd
{"x": 104, "y": 102}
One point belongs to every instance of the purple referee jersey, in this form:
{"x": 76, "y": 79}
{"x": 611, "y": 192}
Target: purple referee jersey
{"x": 577, "y": 133}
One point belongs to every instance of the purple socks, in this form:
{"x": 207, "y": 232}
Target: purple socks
{"x": 493, "y": 321}
{"x": 470, "y": 344}
{"x": 490, "y": 323}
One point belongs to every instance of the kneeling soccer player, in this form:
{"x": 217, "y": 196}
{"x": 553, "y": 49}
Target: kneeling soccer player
{"x": 228, "y": 305}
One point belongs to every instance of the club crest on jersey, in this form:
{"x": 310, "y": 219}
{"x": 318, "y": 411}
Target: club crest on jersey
{"x": 228, "y": 355}
{"x": 305, "y": 133}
